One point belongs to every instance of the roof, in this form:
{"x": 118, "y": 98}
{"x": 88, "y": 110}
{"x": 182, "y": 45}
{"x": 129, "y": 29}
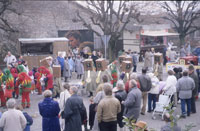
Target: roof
{"x": 41, "y": 40}
{"x": 158, "y": 33}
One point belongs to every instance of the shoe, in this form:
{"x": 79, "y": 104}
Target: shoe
{"x": 182, "y": 116}
{"x": 149, "y": 111}
{"x": 142, "y": 113}
{"x": 188, "y": 114}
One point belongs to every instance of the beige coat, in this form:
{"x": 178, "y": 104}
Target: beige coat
{"x": 92, "y": 85}
{"x": 13, "y": 120}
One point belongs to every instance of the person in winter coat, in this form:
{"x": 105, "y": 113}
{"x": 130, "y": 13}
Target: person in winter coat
{"x": 121, "y": 95}
{"x": 12, "y": 119}
{"x": 74, "y": 111}
{"x": 66, "y": 70}
{"x": 49, "y": 110}
{"x": 14, "y": 73}
{"x": 63, "y": 98}
{"x": 79, "y": 67}
{"x": 170, "y": 87}
{"x": 152, "y": 94}
{"x": 132, "y": 103}
{"x": 195, "y": 93}
{"x": 61, "y": 61}
{"x": 185, "y": 86}
{"x": 29, "y": 119}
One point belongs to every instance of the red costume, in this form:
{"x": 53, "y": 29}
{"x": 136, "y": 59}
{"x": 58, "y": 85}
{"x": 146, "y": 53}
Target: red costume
{"x": 48, "y": 80}
{"x": 38, "y": 83}
{"x": 2, "y": 97}
{"x": 14, "y": 73}
{"x": 9, "y": 84}
{"x": 25, "y": 81}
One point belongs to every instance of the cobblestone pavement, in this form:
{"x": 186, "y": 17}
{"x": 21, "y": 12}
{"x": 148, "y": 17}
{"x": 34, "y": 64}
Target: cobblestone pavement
{"x": 155, "y": 124}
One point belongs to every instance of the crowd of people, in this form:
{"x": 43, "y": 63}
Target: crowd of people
{"x": 116, "y": 95}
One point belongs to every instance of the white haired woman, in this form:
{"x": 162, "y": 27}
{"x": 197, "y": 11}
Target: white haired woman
{"x": 121, "y": 95}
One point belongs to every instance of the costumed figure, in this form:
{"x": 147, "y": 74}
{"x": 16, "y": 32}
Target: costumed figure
{"x": 114, "y": 74}
{"x": 38, "y": 85}
{"x": 102, "y": 70}
{"x": 14, "y": 73}
{"x": 20, "y": 69}
{"x": 9, "y": 84}
{"x": 24, "y": 81}
{"x": 89, "y": 78}
{"x": 2, "y": 97}
{"x": 48, "y": 80}
{"x": 30, "y": 74}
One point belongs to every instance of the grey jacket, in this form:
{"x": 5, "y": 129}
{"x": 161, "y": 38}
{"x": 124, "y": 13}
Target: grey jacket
{"x": 132, "y": 104}
{"x": 184, "y": 86}
{"x": 145, "y": 82}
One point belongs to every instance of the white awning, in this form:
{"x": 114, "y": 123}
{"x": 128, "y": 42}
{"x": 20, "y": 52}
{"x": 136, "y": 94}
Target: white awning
{"x": 41, "y": 40}
{"x": 158, "y": 33}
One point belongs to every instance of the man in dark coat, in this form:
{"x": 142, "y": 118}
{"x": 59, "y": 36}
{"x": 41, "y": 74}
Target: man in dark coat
{"x": 49, "y": 110}
{"x": 74, "y": 112}
{"x": 194, "y": 76}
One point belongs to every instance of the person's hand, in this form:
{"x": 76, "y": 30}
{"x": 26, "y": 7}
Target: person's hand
{"x": 122, "y": 102}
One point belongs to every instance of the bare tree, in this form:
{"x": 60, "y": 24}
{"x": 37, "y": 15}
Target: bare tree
{"x": 110, "y": 18}
{"x": 7, "y": 28}
{"x": 183, "y": 15}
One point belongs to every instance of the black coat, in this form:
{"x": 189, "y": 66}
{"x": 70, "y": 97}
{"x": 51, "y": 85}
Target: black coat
{"x": 74, "y": 111}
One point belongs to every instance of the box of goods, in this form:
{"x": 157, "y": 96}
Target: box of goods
{"x": 101, "y": 64}
{"x": 57, "y": 71}
{"x": 126, "y": 66}
{"x": 121, "y": 59}
{"x": 88, "y": 64}
{"x": 44, "y": 62}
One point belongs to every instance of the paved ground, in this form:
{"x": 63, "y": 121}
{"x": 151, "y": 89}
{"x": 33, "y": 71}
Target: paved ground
{"x": 155, "y": 124}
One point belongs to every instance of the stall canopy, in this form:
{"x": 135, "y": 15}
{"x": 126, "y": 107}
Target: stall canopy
{"x": 158, "y": 33}
{"x": 41, "y": 40}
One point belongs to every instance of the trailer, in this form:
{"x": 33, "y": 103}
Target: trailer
{"x": 34, "y": 50}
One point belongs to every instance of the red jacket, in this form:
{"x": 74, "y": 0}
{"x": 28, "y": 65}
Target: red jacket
{"x": 14, "y": 72}
{"x": 127, "y": 86}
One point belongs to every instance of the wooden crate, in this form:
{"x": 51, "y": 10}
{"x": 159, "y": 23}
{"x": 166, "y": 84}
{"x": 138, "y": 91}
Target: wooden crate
{"x": 101, "y": 64}
{"x": 88, "y": 64}
{"x": 126, "y": 66}
{"x": 121, "y": 59}
{"x": 57, "y": 71}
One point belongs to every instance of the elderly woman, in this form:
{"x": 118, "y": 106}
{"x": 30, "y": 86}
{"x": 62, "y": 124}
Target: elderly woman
{"x": 49, "y": 110}
{"x": 12, "y": 120}
{"x": 121, "y": 95}
{"x": 63, "y": 98}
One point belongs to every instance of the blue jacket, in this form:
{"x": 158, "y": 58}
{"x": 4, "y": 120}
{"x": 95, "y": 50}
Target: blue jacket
{"x": 49, "y": 110}
{"x": 29, "y": 121}
{"x": 61, "y": 61}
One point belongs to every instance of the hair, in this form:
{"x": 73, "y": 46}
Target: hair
{"x": 66, "y": 86}
{"x": 180, "y": 69}
{"x": 191, "y": 68}
{"x": 170, "y": 72}
{"x": 105, "y": 78}
{"x": 185, "y": 73}
{"x": 133, "y": 76}
{"x": 107, "y": 89}
{"x": 74, "y": 89}
{"x": 47, "y": 93}
{"x": 19, "y": 107}
{"x": 144, "y": 70}
{"x": 75, "y": 34}
{"x": 11, "y": 103}
{"x": 133, "y": 83}
{"x": 120, "y": 85}
{"x": 167, "y": 117}
{"x": 176, "y": 70}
